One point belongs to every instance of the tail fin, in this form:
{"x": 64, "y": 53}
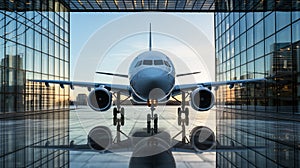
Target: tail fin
{"x": 150, "y": 39}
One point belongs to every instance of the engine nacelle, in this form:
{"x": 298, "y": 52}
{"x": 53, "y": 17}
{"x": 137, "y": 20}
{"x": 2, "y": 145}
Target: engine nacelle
{"x": 202, "y": 99}
{"x": 100, "y": 138}
{"x": 100, "y": 99}
{"x": 202, "y": 138}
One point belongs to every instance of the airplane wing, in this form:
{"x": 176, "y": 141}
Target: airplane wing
{"x": 186, "y": 74}
{"x": 188, "y": 87}
{"x": 113, "y": 74}
{"x": 125, "y": 89}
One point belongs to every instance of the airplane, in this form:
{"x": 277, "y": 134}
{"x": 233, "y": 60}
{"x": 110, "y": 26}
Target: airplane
{"x": 152, "y": 81}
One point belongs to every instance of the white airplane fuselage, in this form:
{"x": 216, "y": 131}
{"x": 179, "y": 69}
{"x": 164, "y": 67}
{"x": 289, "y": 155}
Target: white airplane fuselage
{"x": 152, "y": 77}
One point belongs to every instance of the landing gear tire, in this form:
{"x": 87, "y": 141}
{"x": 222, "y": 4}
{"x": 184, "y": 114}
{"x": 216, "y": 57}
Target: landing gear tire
{"x": 122, "y": 116}
{"x": 148, "y": 123}
{"x": 114, "y": 121}
{"x": 179, "y": 120}
{"x": 186, "y": 111}
{"x": 115, "y": 112}
{"x": 155, "y": 129}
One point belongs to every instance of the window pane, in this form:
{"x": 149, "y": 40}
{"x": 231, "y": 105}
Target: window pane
{"x": 259, "y": 49}
{"x": 147, "y": 62}
{"x": 158, "y": 62}
{"x": 270, "y": 44}
{"x": 283, "y": 37}
{"x": 259, "y": 32}
{"x": 270, "y": 24}
{"x": 259, "y": 68}
{"x": 296, "y": 31}
{"x": 282, "y": 19}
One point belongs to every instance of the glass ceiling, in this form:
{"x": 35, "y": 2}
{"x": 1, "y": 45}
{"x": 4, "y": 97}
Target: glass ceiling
{"x": 153, "y": 5}
{"x": 183, "y": 5}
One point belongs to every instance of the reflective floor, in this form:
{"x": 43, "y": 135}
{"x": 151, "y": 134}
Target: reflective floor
{"x": 83, "y": 119}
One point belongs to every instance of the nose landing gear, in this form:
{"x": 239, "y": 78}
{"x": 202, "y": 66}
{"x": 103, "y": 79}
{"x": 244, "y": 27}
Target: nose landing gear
{"x": 152, "y": 104}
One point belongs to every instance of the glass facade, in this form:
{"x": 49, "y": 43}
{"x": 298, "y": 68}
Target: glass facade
{"x": 266, "y": 114}
{"x": 34, "y": 44}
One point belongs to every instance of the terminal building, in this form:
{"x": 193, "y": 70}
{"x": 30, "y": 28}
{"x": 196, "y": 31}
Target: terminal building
{"x": 253, "y": 39}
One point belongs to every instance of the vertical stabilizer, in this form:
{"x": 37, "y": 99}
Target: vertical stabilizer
{"x": 150, "y": 39}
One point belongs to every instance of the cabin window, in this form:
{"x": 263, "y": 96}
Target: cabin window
{"x": 147, "y": 62}
{"x": 167, "y": 64}
{"x": 138, "y": 64}
{"x": 158, "y": 62}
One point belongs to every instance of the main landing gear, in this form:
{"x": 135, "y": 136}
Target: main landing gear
{"x": 183, "y": 111}
{"x": 152, "y": 104}
{"x": 118, "y": 120}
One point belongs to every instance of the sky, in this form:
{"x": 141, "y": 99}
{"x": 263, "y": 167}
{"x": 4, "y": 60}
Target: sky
{"x": 109, "y": 41}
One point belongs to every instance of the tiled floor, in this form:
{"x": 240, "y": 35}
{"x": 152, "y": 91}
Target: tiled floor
{"x": 84, "y": 119}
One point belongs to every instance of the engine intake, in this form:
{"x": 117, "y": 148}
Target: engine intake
{"x": 100, "y": 138}
{"x": 100, "y": 99}
{"x": 202, "y": 99}
{"x": 202, "y": 138}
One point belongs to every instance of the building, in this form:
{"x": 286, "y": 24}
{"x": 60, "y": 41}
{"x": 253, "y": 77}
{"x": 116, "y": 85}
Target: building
{"x": 253, "y": 39}
{"x": 255, "y": 45}
{"x": 81, "y": 99}
{"x": 34, "y": 44}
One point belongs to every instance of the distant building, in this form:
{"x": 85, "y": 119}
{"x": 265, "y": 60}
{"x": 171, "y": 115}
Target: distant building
{"x": 81, "y": 99}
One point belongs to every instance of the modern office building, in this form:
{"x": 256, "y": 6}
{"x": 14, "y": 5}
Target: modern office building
{"x": 253, "y": 39}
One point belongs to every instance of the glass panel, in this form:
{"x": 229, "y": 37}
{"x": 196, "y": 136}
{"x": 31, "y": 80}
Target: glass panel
{"x": 250, "y": 70}
{"x": 259, "y": 32}
{"x": 250, "y": 54}
{"x": 243, "y": 57}
{"x": 259, "y": 49}
{"x": 283, "y": 37}
{"x": 167, "y": 63}
{"x": 269, "y": 24}
{"x": 37, "y": 61}
{"x": 259, "y": 68}
{"x": 258, "y": 16}
{"x": 282, "y": 19}
{"x": 2, "y": 41}
{"x": 237, "y": 60}
{"x": 243, "y": 24}
{"x": 250, "y": 37}
{"x": 158, "y": 62}
{"x": 296, "y": 31}
{"x": 270, "y": 44}
{"x": 138, "y": 63}
{"x": 249, "y": 17}
{"x": 295, "y": 15}
{"x": 243, "y": 42}
{"x": 147, "y": 62}
{"x": 45, "y": 64}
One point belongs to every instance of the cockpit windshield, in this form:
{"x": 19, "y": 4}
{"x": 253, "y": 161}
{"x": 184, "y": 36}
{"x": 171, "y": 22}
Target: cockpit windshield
{"x": 147, "y": 62}
{"x": 158, "y": 62}
{"x": 167, "y": 64}
{"x": 152, "y": 62}
{"x": 138, "y": 64}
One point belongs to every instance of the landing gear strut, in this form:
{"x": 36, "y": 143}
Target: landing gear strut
{"x": 152, "y": 104}
{"x": 183, "y": 121}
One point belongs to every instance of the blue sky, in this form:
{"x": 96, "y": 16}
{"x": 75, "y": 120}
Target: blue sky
{"x": 109, "y": 41}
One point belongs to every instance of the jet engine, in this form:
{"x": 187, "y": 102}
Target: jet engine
{"x": 202, "y": 138}
{"x": 100, "y": 138}
{"x": 100, "y": 99}
{"x": 202, "y": 99}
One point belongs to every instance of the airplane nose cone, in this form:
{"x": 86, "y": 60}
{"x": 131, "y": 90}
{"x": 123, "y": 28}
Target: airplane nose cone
{"x": 154, "y": 83}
